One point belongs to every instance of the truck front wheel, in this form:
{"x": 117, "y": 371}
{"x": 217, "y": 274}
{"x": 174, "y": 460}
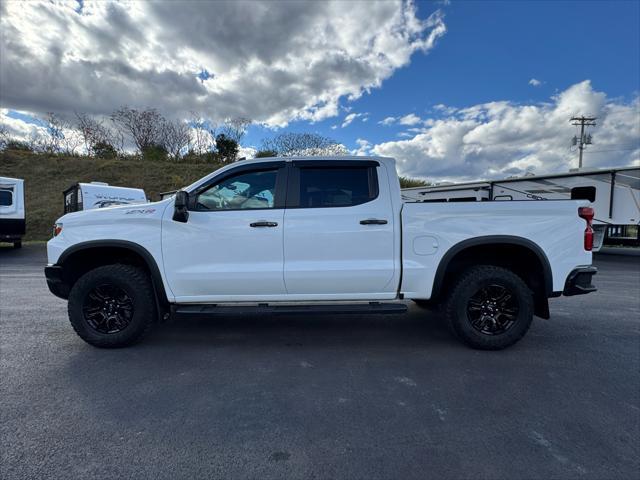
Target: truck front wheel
{"x": 489, "y": 308}
{"x": 112, "y": 306}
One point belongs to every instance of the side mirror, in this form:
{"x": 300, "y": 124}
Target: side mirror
{"x": 180, "y": 211}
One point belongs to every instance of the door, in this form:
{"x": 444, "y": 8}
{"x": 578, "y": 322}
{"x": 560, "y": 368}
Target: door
{"x": 339, "y": 231}
{"x": 230, "y": 248}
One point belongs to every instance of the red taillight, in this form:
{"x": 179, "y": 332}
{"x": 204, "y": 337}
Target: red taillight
{"x": 587, "y": 213}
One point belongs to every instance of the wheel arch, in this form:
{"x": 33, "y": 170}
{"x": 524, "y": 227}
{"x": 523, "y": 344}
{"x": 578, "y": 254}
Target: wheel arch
{"x": 520, "y": 255}
{"x": 82, "y": 257}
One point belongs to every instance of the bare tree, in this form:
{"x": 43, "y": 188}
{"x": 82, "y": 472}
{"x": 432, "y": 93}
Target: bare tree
{"x": 35, "y": 142}
{"x": 95, "y": 132}
{"x": 144, "y": 127}
{"x": 4, "y": 136}
{"x": 235, "y": 128}
{"x": 176, "y": 136}
{"x": 71, "y": 141}
{"x": 57, "y": 135}
{"x": 86, "y": 126}
{"x": 51, "y": 141}
{"x": 204, "y": 133}
{"x": 292, "y": 144}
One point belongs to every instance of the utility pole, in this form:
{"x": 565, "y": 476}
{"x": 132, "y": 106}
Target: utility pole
{"x": 584, "y": 139}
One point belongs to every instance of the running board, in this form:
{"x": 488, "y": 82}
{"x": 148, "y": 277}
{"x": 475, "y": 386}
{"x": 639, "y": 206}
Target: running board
{"x": 206, "y": 310}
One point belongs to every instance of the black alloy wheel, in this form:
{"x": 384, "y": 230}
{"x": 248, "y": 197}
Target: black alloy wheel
{"x": 108, "y": 309}
{"x": 492, "y": 310}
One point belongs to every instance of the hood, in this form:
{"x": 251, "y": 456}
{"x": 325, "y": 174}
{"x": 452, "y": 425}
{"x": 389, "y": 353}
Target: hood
{"x": 116, "y": 212}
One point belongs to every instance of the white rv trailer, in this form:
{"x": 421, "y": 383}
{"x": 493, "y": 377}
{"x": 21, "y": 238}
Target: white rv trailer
{"x": 12, "y": 211}
{"x": 614, "y": 194}
{"x": 87, "y": 196}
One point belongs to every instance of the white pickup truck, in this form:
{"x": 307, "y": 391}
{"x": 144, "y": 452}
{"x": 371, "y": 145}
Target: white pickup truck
{"x": 332, "y": 235}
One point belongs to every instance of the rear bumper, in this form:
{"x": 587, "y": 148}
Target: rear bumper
{"x": 55, "y": 281}
{"x": 579, "y": 281}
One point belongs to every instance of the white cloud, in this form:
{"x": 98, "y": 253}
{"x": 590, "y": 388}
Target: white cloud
{"x": 388, "y": 121}
{"x": 444, "y": 109}
{"x": 498, "y": 139}
{"x": 364, "y": 147}
{"x": 247, "y": 152}
{"x": 271, "y": 61}
{"x": 19, "y": 129}
{"x": 410, "y": 119}
{"x": 535, "y": 82}
{"x": 352, "y": 116}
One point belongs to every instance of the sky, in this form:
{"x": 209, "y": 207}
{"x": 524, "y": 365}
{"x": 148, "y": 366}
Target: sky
{"x": 454, "y": 90}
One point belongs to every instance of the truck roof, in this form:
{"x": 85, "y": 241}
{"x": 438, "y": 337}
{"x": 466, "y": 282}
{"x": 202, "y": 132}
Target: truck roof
{"x": 315, "y": 159}
{"x": 253, "y": 161}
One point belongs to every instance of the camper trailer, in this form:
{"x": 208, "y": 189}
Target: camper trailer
{"x": 12, "y": 212}
{"x": 87, "y": 196}
{"x": 614, "y": 195}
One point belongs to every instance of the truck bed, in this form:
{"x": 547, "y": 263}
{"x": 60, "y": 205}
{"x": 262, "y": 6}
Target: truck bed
{"x": 431, "y": 230}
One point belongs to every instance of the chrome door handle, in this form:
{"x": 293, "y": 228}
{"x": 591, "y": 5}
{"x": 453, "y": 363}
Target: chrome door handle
{"x": 373, "y": 221}
{"x": 263, "y": 224}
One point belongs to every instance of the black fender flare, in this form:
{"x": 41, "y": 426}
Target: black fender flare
{"x": 497, "y": 240}
{"x": 156, "y": 278}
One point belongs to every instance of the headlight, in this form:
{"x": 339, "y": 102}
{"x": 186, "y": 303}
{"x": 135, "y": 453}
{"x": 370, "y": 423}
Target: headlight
{"x": 57, "y": 228}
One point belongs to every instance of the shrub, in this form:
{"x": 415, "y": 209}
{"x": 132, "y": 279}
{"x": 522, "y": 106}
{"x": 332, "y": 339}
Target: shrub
{"x": 406, "y": 182}
{"x": 104, "y": 150}
{"x": 205, "y": 157}
{"x": 227, "y": 147}
{"x": 266, "y": 153}
{"x": 155, "y": 153}
{"x": 18, "y": 146}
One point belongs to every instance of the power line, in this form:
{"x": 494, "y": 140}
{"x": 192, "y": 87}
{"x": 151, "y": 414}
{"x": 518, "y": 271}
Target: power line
{"x": 584, "y": 139}
{"x": 614, "y": 150}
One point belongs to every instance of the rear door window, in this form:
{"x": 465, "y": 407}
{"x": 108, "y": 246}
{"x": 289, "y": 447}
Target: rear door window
{"x": 337, "y": 187}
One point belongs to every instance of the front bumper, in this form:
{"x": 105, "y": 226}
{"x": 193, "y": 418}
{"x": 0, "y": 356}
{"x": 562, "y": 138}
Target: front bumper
{"x": 579, "y": 281}
{"x": 56, "y": 282}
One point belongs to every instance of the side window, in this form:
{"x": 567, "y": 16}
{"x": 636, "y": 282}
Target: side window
{"x": 337, "y": 187}
{"x": 6, "y": 198}
{"x": 244, "y": 191}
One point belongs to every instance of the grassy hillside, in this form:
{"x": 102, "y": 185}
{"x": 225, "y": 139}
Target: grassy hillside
{"x": 46, "y": 177}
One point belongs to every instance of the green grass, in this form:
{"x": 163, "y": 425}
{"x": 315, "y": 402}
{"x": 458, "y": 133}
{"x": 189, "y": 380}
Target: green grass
{"x": 47, "y": 176}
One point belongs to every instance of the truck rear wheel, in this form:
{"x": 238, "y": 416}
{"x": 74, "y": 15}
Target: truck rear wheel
{"x": 490, "y": 308}
{"x": 112, "y": 306}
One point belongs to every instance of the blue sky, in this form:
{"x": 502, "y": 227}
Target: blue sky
{"x": 469, "y": 89}
{"x": 490, "y": 52}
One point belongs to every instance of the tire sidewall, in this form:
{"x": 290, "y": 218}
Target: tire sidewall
{"x": 134, "y": 282}
{"x": 477, "y": 279}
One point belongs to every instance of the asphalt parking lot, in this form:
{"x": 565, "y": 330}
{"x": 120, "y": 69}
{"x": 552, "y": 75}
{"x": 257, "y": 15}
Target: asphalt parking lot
{"x": 321, "y": 397}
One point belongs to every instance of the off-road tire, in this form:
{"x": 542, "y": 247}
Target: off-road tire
{"x": 471, "y": 281}
{"x": 137, "y": 285}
